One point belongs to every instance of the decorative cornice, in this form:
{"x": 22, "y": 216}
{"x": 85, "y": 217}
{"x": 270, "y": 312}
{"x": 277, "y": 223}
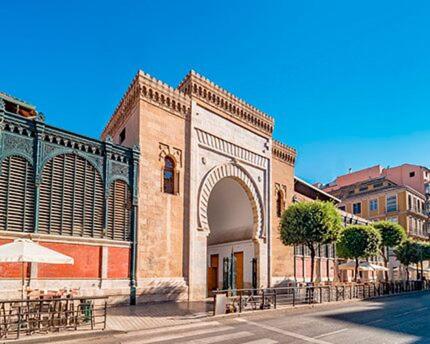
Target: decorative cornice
{"x": 198, "y": 86}
{"x": 147, "y": 88}
{"x": 283, "y": 152}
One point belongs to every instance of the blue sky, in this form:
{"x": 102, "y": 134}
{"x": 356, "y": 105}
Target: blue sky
{"x": 348, "y": 83}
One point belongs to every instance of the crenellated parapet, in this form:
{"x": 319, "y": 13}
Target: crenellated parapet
{"x": 149, "y": 89}
{"x": 160, "y": 94}
{"x": 123, "y": 110}
{"x": 284, "y": 153}
{"x": 205, "y": 90}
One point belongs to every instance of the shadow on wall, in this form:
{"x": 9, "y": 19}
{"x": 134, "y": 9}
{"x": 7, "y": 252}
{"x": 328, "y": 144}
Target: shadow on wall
{"x": 284, "y": 283}
{"x": 162, "y": 292}
{"x": 405, "y": 315}
{"x": 163, "y": 302}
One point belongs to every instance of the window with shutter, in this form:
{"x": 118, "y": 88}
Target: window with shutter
{"x": 119, "y": 211}
{"x": 71, "y": 198}
{"x": 16, "y": 195}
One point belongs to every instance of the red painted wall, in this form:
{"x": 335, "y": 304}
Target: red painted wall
{"x": 324, "y": 268}
{"x": 299, "y": 267}
{"x": 119, "y": 262}
{"x": 87, "y": 262}
{"x": 308, "y": 267}
{"x": 331, "y": 269}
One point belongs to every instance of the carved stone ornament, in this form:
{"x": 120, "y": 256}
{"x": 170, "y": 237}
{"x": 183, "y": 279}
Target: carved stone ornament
{"x": 218, "y": 144}
{"x": 175, "y": 153}
{"x": 283, "y": 189}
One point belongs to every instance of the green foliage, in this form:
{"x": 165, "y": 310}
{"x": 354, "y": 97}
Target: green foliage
{"x": 309, "y": 223}
{"x": 392, "y": 234}
{"x": 408, "y": 252}
{"x": 426, "y": 251}
{"x": 423, "y": 249}
{"x": 358, "y": 241}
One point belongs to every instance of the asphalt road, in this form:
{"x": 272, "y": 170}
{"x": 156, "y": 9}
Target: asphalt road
{"x": 399, "y": 319}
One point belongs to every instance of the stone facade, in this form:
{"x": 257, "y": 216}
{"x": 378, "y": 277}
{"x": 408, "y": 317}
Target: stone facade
{"x": 212, "y": 136}
{"x": 156, "y": 117}
{"x": 283, "y": 180}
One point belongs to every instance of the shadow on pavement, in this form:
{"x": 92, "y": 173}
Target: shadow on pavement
{"x": 405, "y": 315}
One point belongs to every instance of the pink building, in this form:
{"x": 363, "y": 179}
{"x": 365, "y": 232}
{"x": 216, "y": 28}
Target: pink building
{"x": 410, "y": 176}
{"x": 414, "y": 176}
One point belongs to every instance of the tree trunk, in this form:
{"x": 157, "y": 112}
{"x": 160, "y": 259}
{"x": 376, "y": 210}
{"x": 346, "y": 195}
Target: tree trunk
{"x": 422, "y": 271}
{"x": 385, "y": 257}
{"x": 356, "y": 269}
{"x": 407, "y": 273}
{"x": 312, "y": 249}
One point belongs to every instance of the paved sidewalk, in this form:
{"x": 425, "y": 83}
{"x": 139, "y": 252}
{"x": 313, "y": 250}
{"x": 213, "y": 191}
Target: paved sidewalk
{"x": 154, "y": 315}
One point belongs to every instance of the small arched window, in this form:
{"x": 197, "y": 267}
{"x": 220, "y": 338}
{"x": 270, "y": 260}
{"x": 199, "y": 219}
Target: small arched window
{"x": 279, "y": 203}
{"x": 169, "y": 182}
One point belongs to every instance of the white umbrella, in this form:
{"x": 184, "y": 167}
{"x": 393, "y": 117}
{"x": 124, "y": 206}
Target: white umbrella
{"x": 363, "y": 266}
{"x": 411, "y": 267}
{"x": 377, "y": 267}
{"x": 27, "y": 251}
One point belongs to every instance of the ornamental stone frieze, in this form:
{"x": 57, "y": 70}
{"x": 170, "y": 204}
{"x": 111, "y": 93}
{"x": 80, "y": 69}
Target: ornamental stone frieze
{"x": 218, "y": 144}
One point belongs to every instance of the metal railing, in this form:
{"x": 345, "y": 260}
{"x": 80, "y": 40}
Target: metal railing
{"x": 241, "y": 300}
{"x": 43, "y": 316}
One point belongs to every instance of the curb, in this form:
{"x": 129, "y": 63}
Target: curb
{"x": 103, "y": 333}
{"x": 61, "y": 337}
{"x": 314, "y": 305}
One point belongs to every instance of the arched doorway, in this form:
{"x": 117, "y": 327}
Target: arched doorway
{"x": 232, "y": 227}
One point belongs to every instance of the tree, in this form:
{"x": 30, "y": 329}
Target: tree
{"x": 392, "y": 235}
{"x": 408, "y": 252}
{"x": 310, "y": 224}
{"x": 358, "y": 241}
{"x": 423, "y": 254}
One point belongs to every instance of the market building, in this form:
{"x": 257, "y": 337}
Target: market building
{"x": 70, "y": 193}
{"x": 183, "y": 181}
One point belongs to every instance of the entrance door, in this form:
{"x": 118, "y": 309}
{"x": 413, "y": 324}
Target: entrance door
{"x": 213, "y": 273}
{"x": 239, "y": 270}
